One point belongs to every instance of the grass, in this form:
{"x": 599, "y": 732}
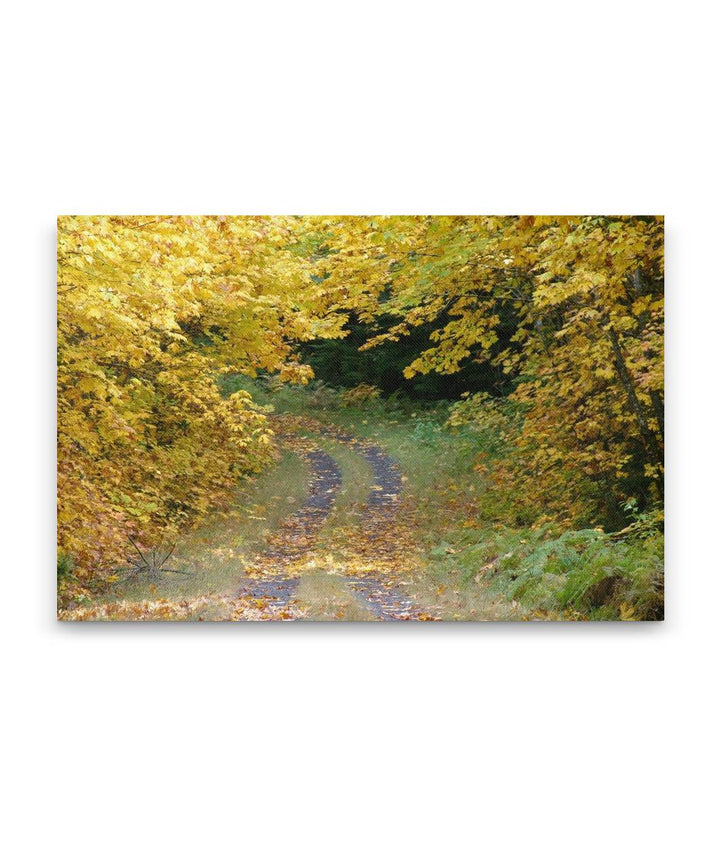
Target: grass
{"x": 325, "y": 597}
{"x": 355, "y": 489}
{"x": 214, "y": 553}
{"x": 583, "y": 574}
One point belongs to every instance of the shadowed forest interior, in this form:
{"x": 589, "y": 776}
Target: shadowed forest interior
{"x": 360, "y": 418}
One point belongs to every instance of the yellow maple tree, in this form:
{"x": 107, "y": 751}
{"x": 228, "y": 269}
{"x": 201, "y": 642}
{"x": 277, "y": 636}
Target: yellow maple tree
{"x": 583, "y": 300}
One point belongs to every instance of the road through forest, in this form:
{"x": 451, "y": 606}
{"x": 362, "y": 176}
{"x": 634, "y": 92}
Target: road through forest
{"x": 278, "y": 577}
{"x": 344, "y": 551}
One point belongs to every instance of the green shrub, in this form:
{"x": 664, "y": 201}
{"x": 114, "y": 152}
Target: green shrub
{"x": 65, "y": 566}
{"x": 583, "y": 573}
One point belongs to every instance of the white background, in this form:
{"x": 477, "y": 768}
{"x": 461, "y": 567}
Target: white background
{"x": 369, "y": 739}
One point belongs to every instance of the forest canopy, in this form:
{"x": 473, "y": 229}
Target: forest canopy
{"x": 570, "y": 313}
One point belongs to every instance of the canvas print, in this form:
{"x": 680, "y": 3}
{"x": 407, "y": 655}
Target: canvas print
{"x": 366, "y": 418}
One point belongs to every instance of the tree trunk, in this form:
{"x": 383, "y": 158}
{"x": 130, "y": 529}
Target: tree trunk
{"x": 652, "y": 445}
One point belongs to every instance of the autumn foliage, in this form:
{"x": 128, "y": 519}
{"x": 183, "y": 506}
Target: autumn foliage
{"x": 569, "y": 308}
{"x": 153, "y": 311}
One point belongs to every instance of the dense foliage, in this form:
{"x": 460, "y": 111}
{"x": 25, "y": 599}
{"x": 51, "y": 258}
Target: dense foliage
{"x": 344, "y": 362}
{"x": 150, "y": 312}
{"x": 584, "y": 299}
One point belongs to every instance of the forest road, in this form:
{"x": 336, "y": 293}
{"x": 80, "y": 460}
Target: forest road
{"x": 277, "y": 573}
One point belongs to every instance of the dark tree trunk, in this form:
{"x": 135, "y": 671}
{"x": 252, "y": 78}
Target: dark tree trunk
{"x": 650, "y": 440}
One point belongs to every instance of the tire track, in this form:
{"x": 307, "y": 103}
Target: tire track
{"x": 385, "y": 599}
{"x": 378, "y": 593}
{"x": 298, "y": 533}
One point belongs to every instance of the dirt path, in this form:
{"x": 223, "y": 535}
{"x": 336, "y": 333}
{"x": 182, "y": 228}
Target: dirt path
{"x": 297, "y": 534}
{"x": 274, "y": 577}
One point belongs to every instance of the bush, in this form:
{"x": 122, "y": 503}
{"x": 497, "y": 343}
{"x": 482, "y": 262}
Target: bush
{"x": 65, "y": 566}
{"x": 359, "y": 394}
{"x": 579, "y": 573}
